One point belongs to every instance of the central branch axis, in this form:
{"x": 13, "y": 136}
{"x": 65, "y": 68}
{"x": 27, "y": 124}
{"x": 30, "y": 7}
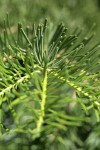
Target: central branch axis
{"x": 43, "y": 102}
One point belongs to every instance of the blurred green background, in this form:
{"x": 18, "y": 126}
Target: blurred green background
{"x": 81, "y": 13}
{"x": 72, "y": 12}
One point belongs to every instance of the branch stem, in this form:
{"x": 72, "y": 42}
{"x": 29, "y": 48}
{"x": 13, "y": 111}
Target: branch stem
{"x": 43, "y": 102}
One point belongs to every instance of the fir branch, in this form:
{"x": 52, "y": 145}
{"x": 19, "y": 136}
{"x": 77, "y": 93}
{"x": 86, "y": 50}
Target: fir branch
{"x": 79, "y": 89}
{"x": 42, "y": 103}
{"x": 22, "y": 79}
{"x": 34, "y": 72}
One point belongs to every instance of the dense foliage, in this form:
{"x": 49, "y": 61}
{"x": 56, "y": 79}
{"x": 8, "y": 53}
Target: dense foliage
{"x": 50, "y": 77}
